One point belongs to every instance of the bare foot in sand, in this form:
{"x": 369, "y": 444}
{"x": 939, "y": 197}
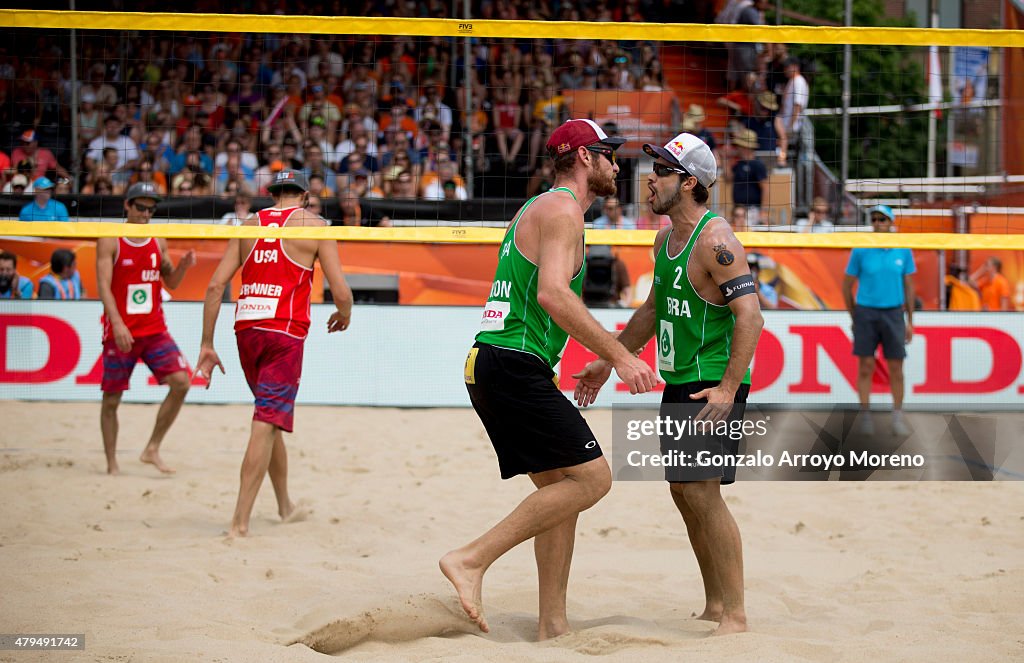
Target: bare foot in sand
{"x": 712, "y": 613}
{"x": 238, "y": 531}
{"x": 468, "y": 581}
{"x": 152, "y": 456}
{"x": 112, "y": 468}
{"x": 548, "y": 630}
{"x": 295, "y": 513}
{"x": 731, "y": 625}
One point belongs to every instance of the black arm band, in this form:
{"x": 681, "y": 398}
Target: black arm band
{"x": 737, "y": 287}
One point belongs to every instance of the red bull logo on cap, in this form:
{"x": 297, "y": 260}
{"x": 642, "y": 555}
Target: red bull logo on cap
{"x": 563, "y": 148}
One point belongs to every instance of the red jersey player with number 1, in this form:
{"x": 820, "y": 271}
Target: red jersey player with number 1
{"x": 128, "y": 275}
{"x": 271, "y": 322}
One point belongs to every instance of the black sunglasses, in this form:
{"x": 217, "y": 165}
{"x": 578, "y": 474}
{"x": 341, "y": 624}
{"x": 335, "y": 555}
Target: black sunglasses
{"x": 606, "y": 153}
{"x": 881, "y": 219}
{"x": 145, "y": 209}
{"x": 661, "y": 170}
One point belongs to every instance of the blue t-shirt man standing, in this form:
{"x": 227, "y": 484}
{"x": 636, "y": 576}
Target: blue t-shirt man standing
{"x": 885, "y": 291}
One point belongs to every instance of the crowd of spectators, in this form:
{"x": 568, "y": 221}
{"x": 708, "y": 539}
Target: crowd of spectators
{"x": 363, "y": 116}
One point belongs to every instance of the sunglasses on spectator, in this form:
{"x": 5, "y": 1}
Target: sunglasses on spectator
{"x": 661, "y": 170}
{"x": 606, "y": 153}
{"x": 145, "y": 209}
{"x": 880, "y": 219}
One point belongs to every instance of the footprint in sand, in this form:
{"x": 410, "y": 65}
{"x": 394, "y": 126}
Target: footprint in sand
{"x": 416, "y": 617}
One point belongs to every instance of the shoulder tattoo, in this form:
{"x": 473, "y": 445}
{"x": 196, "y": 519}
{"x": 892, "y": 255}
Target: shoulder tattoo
{"x": 723, "y": 255}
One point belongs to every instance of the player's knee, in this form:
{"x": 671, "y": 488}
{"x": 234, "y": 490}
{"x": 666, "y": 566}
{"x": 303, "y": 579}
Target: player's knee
{"x": 111, "y": 399}
{"x": 599, "y": 484}
{"x": 178, "y": 383}
{"x": 699, "y": 495}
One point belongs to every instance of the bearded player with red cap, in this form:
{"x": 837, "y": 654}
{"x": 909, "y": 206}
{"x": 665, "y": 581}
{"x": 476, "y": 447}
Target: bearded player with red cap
{"x": 533, "y": 308}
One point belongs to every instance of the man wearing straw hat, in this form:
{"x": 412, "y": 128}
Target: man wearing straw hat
{"x": 749, "y": 176}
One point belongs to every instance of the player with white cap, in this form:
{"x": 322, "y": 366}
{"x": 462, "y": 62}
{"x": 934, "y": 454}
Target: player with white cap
{"x": 707, "y": 330}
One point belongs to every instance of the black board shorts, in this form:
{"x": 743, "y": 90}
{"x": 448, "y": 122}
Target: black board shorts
{"x": 532, "y": 425}
{"x": 700, "y": 449}
{"x": 879, "y": 326}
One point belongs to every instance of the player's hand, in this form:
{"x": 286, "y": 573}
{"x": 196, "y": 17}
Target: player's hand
{"x": 590, "y": 380}
{"x": 123, "y": 338}
{"x": 635, "y": 372}
{"x": 338, "y": 322}
{"x": 908, "y": 335}
{"x": 188, "y": 259}
{"x": 204, "y": 365}
{"x": 720, "y": 402}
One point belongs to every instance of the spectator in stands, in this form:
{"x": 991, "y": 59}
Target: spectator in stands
{"x": 362, "y": 185}
{"x": 318, "y": 187}
{"x": 12, "y": 284}
{"x": 613, "y": 218}
{"x": 693, "y": 121}
{"x": 993, "y": 286}
{"x": 265, "y": 173}
{"x": 766, "y": 293}
{"x": 241, "y": 211}
{"x": 402, "y": 185}
{"x": 739, "y": 101}
{"x": 399, "y": 118}
{"x": 762, "y": 122}
{"x": 790, "y": 120}
{"x": 885, "y": 289}
{"x": 235, "y": 171}
{"x": 147, "y": 173}
{"x": 314, "y": 204}
{"x": 738, "y": 218}
{"x": 319, "y": 106}
{"x": 63, "y": 281}
{"x": 315, "y": 165}
{"x": 44, "y": 208}
{"x": 105, "y": 95}
{"x": 35, "y": 161}
{"x": 749, "y": 177}
{"x": 508, "y": 118}
{"x": 433, "y": 183}
{"x": 352, "y": 213}
{"x": 548, "y": 113}
{"x": 234, "y": 146}
{"x": 109, "y": 168}
{"x": 158, "y": 153}
{"x": 960, "y": 294}
{"x": 431, "y": 106}
{"x": 127, "y": 150}
{"x": 88, "y": 119}
{"x": 818, "y": 218}
{"x": 653, "y": 78}
{"x": 18, "y": 185}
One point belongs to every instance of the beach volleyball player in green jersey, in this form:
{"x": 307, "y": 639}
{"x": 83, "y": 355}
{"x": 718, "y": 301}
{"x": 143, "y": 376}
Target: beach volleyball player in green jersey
{"x": 533, "y": 308}
{"x": 705, "y": 317}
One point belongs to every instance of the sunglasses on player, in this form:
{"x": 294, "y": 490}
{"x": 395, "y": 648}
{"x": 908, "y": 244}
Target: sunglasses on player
{"x": 661, "y": 170}
{"x": 145, "y": 209}
{"x": 605, "y": 152}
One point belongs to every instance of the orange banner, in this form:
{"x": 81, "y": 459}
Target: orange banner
{"x": 646, "y": 117}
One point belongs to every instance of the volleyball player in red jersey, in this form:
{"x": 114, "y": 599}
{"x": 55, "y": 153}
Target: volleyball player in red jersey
{"x": 271, "y": 323}
{"x": 129, "y": 275}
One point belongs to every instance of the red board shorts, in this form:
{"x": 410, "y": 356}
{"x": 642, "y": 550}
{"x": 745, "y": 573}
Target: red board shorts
{"x": 159, "y": 352}
{"x": 272, "y": 363}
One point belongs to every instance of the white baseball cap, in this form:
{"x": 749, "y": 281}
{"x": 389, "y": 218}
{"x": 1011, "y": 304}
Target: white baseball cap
{"x": 691, "y": 154}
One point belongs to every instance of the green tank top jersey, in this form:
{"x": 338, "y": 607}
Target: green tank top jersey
{"x": 512, "y": 317}
{"x": 694, "y": 335}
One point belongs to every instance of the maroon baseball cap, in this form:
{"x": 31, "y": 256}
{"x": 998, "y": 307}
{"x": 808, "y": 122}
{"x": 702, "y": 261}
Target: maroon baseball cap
{"x": 579, "y": 133}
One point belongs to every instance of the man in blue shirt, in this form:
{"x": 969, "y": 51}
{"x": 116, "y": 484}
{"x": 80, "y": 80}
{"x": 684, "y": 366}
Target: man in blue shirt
{"x": 885, "y": 289}
{"x": 44, "y": 208}
{"x": 12, "y": 284}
